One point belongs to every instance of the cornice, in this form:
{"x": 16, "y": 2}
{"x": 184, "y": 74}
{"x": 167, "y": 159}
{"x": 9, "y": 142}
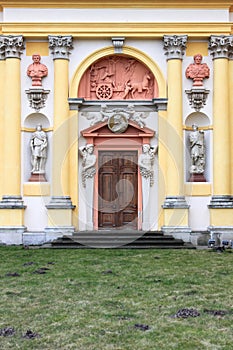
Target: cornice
{"x": 108, "y": 30}
{"x": 117, "y": 3}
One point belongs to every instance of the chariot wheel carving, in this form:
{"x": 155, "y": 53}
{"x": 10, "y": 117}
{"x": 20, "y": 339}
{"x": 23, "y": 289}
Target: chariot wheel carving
{"x": 104, "y": 91}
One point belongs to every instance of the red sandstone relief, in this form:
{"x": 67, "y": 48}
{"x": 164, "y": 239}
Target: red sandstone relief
{"x": 118, "y": 77}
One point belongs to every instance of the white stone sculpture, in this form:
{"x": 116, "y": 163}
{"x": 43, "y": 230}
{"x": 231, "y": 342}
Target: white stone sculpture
{"x": 146, "y": 162}
{"x": 197, "y": 150}
{"x": 88, "y": 173}
{"x": 38, "y": 145}
{"x": 125, "y": 114}
{"x": 88, "y": 163}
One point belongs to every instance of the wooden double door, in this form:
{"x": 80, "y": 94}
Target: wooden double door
{"x": 117, "y": 189}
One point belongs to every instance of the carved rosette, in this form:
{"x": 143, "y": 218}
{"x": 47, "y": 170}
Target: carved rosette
{"x": 174, "y": 46}
{"x": 221, "y": 46}
{"x": 11, "y": 46}
{"x": 60, "y": 46}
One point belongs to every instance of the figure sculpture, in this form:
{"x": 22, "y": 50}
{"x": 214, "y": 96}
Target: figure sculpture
{"x": 197, "y": 154}
{"x": 146, "y": 162}
{"x": 38, "y": 145}
{"x": 88, "y": 163}
{"x": 197, "y": 71}
{"x": 37, "y": 70}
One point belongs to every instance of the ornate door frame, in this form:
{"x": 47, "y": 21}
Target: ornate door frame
{"x": 103, "y": 138}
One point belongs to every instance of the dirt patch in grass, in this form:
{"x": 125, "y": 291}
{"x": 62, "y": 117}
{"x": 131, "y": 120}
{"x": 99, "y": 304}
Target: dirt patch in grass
{"x": 7, "y": 332}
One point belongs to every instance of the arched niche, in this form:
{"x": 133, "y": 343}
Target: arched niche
{"x": 198, "y": 118}
{"x": 36, "y": 118}
{"x": 203, "y": 122}
{"x": 29, "y": 126}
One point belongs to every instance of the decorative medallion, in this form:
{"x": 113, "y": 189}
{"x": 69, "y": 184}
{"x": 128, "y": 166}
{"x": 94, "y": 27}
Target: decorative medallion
{"x": 118, "y": 123}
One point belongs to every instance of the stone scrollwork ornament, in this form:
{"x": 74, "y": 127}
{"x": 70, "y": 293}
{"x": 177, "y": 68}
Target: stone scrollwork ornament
{"x": 11, "y": 46}
{"x": 60, "y": 46}
{"x": 117, "y": 118}
{"x": 174, "y": 46}
{"x": 88, "y": 163}
{"x": 37, "y": 98}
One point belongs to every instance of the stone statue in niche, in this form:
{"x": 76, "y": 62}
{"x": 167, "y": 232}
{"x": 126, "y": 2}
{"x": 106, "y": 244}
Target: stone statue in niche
{"x": 146, "y": 162}
{"x": 118, "y": 77}
{"x": 197, "y": 71}
{"x": 36, "y": 71}
{"x": 38, "y": 146}
{"x": 197, "y": 154}
{"x": 88, "y": 163}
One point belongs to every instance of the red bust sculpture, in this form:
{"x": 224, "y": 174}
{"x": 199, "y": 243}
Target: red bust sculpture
{"x": 197, "y": 71}
{"x": 37, "y": 70}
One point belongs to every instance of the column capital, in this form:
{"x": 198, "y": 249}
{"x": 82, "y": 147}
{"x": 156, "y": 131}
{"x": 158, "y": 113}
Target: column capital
{"x": 230, "y": 48}
{"x": 221, "y": 46}
{"x": 60, "y": 46}
{"x": 174, "y": 46}
{"x": 11, "y": 46}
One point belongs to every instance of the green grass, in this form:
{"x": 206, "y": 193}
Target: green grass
{"x": 92, "y": 299}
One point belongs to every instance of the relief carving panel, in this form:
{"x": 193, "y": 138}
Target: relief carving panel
{"x": 118, "y": 77}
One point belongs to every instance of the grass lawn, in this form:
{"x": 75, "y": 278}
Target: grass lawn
{"x": 121, "y": 299}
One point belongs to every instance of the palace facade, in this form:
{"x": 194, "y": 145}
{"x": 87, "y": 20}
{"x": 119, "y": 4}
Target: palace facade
{"x": 116, "y": 115}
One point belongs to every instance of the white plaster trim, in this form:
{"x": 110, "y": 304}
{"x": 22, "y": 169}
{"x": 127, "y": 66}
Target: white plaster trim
{"x": 114, "y": 15}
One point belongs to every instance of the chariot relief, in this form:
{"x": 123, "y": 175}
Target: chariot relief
{"x": 117, "y": 77}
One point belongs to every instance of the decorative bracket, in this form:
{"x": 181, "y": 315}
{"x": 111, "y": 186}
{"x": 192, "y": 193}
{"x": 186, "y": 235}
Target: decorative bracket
{"x": 118, "y": 44}
{"x": 37, "y": 98}
{"x": 197, "y": 97}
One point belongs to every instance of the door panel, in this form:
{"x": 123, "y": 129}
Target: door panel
{"x": 118, "y": 189}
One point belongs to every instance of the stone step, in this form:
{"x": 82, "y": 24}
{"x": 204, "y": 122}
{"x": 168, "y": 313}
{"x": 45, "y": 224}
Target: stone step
{"x": 122, "y": 247}
{"x": 122, "y": 239}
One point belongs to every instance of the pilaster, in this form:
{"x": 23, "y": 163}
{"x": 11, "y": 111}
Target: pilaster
{"x": 60, "y": 215}
{"x": 175, "y": 207}
{"x": 2, "y": 87}
{"x": 221, "y": 204}
{"x": 11, "y": 206}
{"x": 231, "y": 108}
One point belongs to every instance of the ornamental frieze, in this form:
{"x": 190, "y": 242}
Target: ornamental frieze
{"x": 117, "y": 118}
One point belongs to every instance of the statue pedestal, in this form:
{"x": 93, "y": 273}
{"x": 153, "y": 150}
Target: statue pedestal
{"x": 197, "y": 178}
{"x": 37, "y": 177}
